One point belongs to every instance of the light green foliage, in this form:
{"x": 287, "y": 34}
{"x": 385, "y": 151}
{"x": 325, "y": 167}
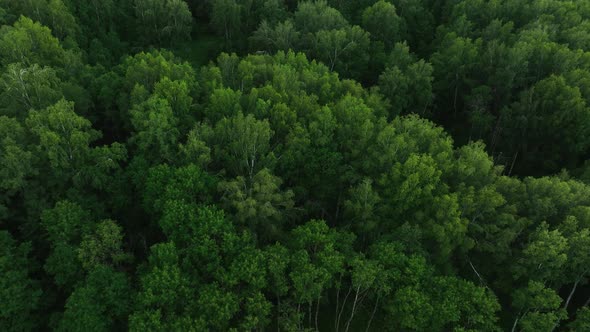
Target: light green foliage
{"x": 165, "y": 183}
{"x": 149, "y": 68}
{"x": 155, "y": 130}
{"x": 411, "y": 183}
{"x": 355, "y": 125}
{"x": 414, "y": 188}
{"x": 539, "y": 307}
{"x": 16, "y": 160}
{"x": 492, "y": 220}
{"x": 195, "y": 149}
{"x": 451, "y": 303}
{"x": 578, "y": 238}
{"x": 204, "y": 239}
{"x": 471, "y": 307}
{"x": 242, "y": 144}
{"x": 164, "y": 291}
{"x": 29, "y": 42}
{"x": 258, "y": 202}
{"x": 104, "y": 247}
{"x": 545, "y": 254}
{"x": 223, "y": 103}
{"x": 227, "y": 65}
{"x": 420, "y": 300}
{"x": 63, "y": 134}
{"x": 24, "y": 88}
{"x": 63, "y": 140}
{"x": 316, "y": 259}
{"x": 410, "y": 135}
{"x": 474, "y": 167}
{"x": 551, "y": 198}
{"x": 178, "y": 95}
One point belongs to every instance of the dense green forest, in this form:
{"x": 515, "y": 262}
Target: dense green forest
{"x": 283, "y": 165}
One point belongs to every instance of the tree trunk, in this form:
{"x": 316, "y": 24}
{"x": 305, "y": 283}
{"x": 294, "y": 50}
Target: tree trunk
{"x": 309, "y": 313}
{"x": 356, "y": 297}
{"x": 342, "y": 309}
{"x": 513, "y": 162}
{"x": 333, "y": 60}
{"x": 515, "y": 322}
{"x": 477, "y": 273}
{"x": 569, "y": 298}
{"x": 338, "y": 207}
{"x": 373, "y": 313}
{"x": 317, "y": 310}
{"x": 299, "y": 321}
{"x": 278, "y": 314}
{"x": 337, "y": 303}
{"x": 456, "y": 91}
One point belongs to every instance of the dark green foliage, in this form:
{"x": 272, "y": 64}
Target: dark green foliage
{"x": 20, "y": 295}
{"x": 99, "y": 304}
{"x": 395, "y": 165}
{"x": 162, "y": 22}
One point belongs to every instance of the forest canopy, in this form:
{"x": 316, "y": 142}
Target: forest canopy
{"x": 350, "y": 165}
